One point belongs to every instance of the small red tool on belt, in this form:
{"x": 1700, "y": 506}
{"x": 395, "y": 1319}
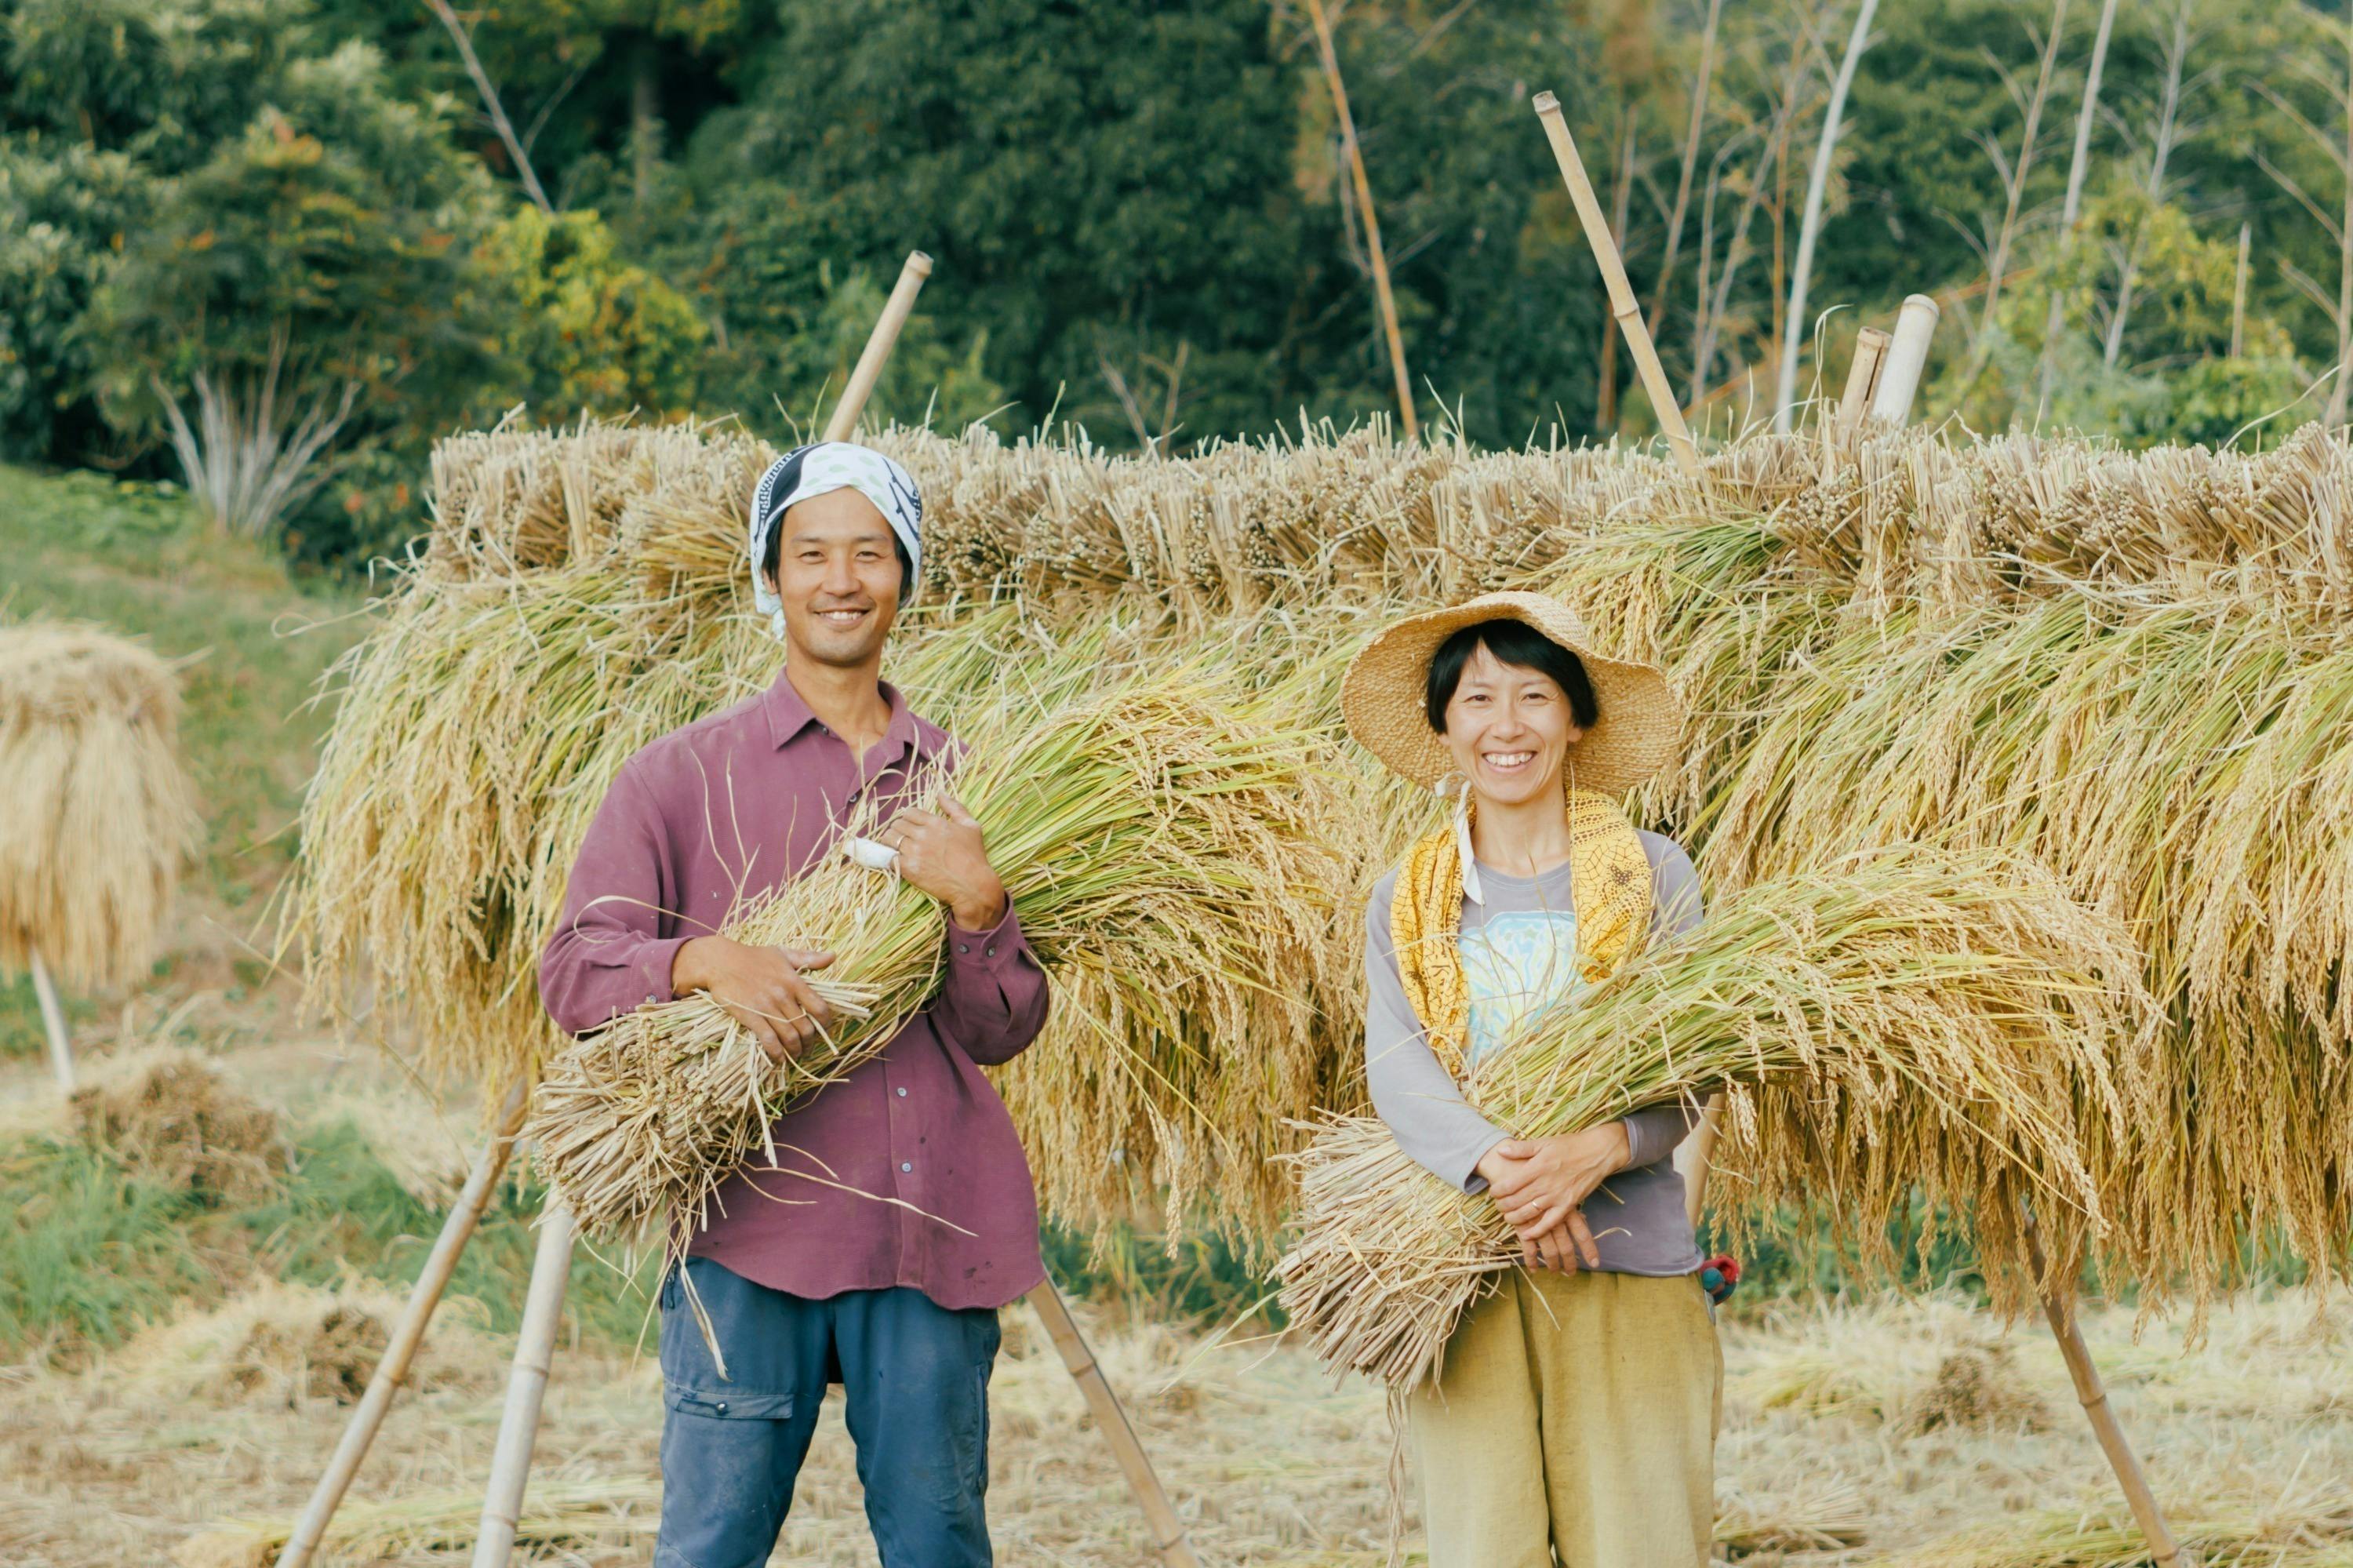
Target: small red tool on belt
{"x": 1719, "y": 1275}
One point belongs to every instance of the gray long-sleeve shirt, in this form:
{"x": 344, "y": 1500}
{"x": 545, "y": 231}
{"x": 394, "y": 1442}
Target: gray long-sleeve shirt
{"x": 1518, "y": 959}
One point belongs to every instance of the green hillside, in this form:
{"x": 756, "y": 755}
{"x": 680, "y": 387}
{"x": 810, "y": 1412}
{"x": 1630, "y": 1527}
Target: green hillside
{"x": 138, "y": 559}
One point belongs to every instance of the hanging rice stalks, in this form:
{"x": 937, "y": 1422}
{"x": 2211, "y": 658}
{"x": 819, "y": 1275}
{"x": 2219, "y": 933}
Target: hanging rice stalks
{"x": 1958, "y": 1022}
{"x": 96, "y": 813}
{"x": 1150, "y": 840}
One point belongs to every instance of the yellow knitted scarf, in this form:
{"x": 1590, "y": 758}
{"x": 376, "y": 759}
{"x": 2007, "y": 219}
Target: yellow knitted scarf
{"x": 1610, "y": 885}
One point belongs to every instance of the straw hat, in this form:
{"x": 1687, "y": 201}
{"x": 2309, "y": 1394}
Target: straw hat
{"x": 1384, "y": 697}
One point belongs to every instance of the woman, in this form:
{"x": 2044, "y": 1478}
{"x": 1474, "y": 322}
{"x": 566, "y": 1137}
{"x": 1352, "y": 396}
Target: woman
{"x": 1576, "y": 1409}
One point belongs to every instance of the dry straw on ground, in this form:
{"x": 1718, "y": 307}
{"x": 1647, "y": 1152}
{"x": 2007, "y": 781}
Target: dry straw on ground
{"x": 170, "y": 1118}
{"x": 96, "y": 813}
{"x": 1970, "y": 1029}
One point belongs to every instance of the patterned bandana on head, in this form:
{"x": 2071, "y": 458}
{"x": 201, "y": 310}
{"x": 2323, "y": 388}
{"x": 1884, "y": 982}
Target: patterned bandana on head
{"x": 816, "y": 470}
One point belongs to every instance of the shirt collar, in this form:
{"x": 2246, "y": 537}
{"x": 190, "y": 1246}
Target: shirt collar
{"x": 789, "y": 718}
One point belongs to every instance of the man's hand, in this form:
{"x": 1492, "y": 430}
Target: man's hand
{"x": 1541, "y": 1185}
{"x": 941, "y": 853}
{"x": 761, "y": 988}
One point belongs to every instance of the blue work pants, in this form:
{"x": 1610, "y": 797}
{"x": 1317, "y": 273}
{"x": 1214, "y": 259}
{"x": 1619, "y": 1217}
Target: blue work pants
{"x": 914, "y": 1379}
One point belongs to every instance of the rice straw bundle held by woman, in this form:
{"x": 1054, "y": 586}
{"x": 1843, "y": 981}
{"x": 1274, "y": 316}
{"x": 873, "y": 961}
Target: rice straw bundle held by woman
{"x": 96, "y": 813}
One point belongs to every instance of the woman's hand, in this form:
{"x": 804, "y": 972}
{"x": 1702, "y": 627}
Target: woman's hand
{"x": 1541, "y": 1185}
{"x": 941, "y": 853}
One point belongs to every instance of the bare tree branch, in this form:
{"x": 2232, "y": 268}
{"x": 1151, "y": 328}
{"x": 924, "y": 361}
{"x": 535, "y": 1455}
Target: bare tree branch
{"x": 490, "y": 95}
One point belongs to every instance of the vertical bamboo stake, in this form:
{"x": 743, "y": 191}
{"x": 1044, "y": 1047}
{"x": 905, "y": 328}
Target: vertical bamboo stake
{"x": 2073, "y": 205}
{"x": 1809, "y": 226}
{"x": 2092, "y": 1394}
{"x": 1622, "y": 303}
{"x": 1862, "y": 376}
{"x": 542, "y": 1309}
{"x": 392, "y": 1370}
{"x": 2334, "y": 415}
{"x": 53, "y": 1025}
{"x": 885, "y": 337}
{"x": 1331, "y": 59}
{"x": 1167, "y": 1530}
{"x": 2239, "y": 295}
{"x": 1907, "y": 355}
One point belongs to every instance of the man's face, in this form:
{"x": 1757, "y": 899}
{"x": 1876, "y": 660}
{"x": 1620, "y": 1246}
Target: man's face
{"x": 837, "y": 576}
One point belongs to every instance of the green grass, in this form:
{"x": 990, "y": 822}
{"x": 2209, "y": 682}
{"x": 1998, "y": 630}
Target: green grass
{"x": 138, "y": 559}
{"x": 89, "y": 1250}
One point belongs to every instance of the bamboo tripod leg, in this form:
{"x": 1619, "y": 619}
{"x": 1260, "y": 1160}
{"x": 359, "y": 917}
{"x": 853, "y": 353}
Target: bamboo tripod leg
{"x": 885, "y": 337}
{"x": 550, "y": 1268}
{"x": 391, "y": 1371}
{"x": 2092, "y": 1393}
{"x": 53, "y": 1024}
{"x": 1169, "y": 1536}
{"x": 1623, "y": 306}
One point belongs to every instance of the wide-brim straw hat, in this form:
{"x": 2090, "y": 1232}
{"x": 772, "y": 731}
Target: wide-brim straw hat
{"x": 1384, "y": 695}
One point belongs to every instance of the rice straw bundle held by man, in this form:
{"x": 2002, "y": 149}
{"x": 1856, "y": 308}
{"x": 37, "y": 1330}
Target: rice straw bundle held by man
{"x": 1141, "y": 834}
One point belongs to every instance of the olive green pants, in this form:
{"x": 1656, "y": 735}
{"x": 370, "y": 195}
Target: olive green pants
{"x": 1577, "y": 1414}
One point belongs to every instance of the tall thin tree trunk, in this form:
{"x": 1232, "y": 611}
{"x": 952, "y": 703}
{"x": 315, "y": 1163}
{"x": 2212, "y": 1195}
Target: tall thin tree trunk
{"x": 2239, "y": 293}
{"x": 2074, "y": 206}
{"x": 1382, "y": 296}
{"x": 1999, "y": 265}
{"x": 1605, "y": 416}
{"x": 1690, "y": 161}
{"x": 2334, "y": 415}
{"x": 1711, "y": 322}
{"x": 2177, "y": 53}
{"x": 1809, "y": 227}
{"x": 644, "y": 132}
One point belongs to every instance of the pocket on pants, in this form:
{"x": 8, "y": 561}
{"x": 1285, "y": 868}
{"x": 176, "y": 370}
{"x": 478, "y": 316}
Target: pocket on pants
{"x": 692, "y": 1383}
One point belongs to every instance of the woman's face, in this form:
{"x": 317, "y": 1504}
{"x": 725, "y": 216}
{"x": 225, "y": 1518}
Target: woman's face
{"x": 1508, "y": 728}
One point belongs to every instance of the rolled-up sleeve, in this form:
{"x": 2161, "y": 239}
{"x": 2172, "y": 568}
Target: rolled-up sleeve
{"x": 1412, "y": 1091}
{"x": 993, "y": 996}
{"x": 612, "y": 951}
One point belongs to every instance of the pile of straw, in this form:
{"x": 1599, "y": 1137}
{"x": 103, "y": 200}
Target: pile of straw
{"x": 1970, "y": 987}
{"x": 1148, "y": 828}
{"x": 95, "y": 814}
{"x": 2130, "y": 667}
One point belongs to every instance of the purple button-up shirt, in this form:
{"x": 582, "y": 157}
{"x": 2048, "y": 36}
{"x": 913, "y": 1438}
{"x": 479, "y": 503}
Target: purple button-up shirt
{"x": 734, "y": 805}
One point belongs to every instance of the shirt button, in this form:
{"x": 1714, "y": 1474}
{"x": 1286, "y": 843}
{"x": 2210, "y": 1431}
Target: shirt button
{"x": 960, "y": 948}
{"x": 904, "y": 1165}
{"x": 989, "y": 953}
{"x": 903, "y": 1094}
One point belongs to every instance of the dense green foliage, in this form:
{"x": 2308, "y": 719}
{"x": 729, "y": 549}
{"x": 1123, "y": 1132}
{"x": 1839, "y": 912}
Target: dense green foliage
{"x": 1140, "y": 213}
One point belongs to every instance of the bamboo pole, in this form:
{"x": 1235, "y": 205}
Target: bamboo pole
{"x": 1622, "y": 303}
{"x": 1331, "y": 60}
{"x": 1811, "y": 226}
{"x": 885, "y": 337}
{"x": 1862, "y": 377}
{"x": 2092, "y": 1394}
{"x": 392, "y": 1370}
{"x": 1169, "y": 1537}
{"x": 551, "y": 1268}
{"x": 53, "y": 1025}
{"x": 1907, "y": 356}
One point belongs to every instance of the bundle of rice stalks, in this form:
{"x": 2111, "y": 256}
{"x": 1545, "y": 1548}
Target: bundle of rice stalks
{"x": 1149, "y": 836}
{"x": 284, "y": 1343}
{"x": 177, "y": 1123}
{"x": 95, "y": 814}
{"x": 1962, "y": 1009}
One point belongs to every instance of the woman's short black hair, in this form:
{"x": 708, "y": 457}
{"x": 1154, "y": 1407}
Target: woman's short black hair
{"x": 768, "y": 557}
{"x": 1512, "y": 642}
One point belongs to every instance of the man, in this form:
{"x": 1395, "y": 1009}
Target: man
{"x": 899, "y": 1215}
